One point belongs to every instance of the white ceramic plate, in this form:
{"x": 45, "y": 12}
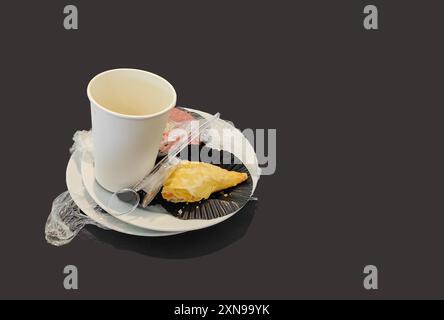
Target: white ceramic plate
{"x": 155, "y": 217}
{"x": 81, "y": 197}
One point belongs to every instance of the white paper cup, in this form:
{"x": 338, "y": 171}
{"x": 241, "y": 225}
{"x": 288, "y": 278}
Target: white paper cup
{"x": 129, "y": 112}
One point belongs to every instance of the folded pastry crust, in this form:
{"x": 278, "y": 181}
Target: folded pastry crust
{"x": 193, "y": 181}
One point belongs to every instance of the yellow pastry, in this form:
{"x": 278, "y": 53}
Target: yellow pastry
{"x": 193, "y": 181}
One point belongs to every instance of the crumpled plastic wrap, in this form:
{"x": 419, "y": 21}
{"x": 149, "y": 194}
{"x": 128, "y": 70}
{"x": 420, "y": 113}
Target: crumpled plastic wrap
{"x": 82, "y": 142}
{"x": 66, "y": 219}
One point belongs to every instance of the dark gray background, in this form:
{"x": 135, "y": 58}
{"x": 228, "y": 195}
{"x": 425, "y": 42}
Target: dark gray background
{"x": 360, "y": 158}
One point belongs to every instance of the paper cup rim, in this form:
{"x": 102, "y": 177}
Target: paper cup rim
{"x": 127, "y": 116}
